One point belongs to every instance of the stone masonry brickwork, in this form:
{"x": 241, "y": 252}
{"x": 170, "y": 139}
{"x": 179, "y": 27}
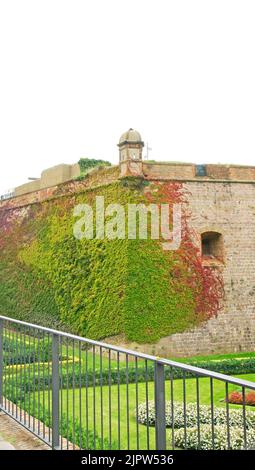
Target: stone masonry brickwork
{"x": 222, "y": 202}
{"x": 227, "y": 208}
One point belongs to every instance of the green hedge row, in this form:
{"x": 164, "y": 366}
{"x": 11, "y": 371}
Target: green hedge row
{"x": 74, "y": 377}
{"x": 228, "y": 366}
{"x": 18, "y": 351}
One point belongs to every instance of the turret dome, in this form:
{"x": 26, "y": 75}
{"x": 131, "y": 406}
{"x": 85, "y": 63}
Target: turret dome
{"x": 130, "y": 136}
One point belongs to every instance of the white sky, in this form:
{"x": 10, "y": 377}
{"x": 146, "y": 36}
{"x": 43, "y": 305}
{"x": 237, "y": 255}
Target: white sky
{"x": 76, "y": 74}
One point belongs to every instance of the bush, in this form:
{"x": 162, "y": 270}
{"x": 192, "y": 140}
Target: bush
{"x": 74, "y": 376}
{"x": 227, "y": 366}
{"x": 250, "y": 398}
{"x": 97, "y": 377}
{"x": 20, "y": 352}
{"x": 220, "y": 438}
{"x": 84, "y": 438}
{"x": 76, "y": 434}
{"x": 237, "y": 398}
{"x": 87, "y": 164}
{"x": 220, "y": 415}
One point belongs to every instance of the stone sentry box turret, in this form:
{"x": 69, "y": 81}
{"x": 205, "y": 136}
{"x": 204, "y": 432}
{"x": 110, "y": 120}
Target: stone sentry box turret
{"x": 130, "y": 153}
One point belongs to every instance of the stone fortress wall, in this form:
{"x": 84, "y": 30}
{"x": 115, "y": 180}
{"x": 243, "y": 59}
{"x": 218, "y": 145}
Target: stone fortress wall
{"x": 227, "y": 208}
{"x": 50, "y": 177}
{"x": 222, "y": 200}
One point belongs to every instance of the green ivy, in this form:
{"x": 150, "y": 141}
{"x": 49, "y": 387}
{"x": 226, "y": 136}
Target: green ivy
{"x": 95, "y": 288}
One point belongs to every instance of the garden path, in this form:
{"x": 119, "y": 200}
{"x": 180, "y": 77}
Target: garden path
{"x": 14, "y": 436}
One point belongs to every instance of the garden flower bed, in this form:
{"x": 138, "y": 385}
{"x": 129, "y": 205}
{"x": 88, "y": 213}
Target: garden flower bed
{"x": 177, "y": 419}
{"x": 237, "y": 398}
{"x": 218, "y": 441}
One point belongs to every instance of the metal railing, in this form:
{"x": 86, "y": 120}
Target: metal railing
{"x": 76, "y": 393}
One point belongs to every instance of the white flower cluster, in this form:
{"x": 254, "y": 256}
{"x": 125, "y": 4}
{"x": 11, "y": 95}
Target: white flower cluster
{"x": 237, "y": 441}
{"x": 190, "y": 419}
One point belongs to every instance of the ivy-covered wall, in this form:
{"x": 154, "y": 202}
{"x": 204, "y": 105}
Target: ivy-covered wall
{"x": 101, "y": 288}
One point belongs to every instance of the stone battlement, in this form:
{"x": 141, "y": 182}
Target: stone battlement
{"x": 50, "y": 177}
{"x": 186, "y": 171}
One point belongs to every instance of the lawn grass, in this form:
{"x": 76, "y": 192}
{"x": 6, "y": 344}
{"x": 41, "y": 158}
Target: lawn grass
{"x": 215, "y": 357}
{"x": 122, "y": 405}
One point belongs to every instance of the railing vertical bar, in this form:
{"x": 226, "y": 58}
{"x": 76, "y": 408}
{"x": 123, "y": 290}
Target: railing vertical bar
{"x": 87, "y": 398}
{"x": 184, "y": 409}
{"x": 118, "y": 388}
{"x": 127, "y": 402}
{"x": 73, "y": 394}
{"x": 172, "y": 404}
{"x": 110, "y": 397}
{"x": 8, "y": 367}
{"x": 67, "y": 392}
{"x": 39, "y": 380}
{"x": 198, "y": 411}
{"x": 227, "y": 415}
{"x": 5, "y": 369}
{"x": 25, "y": 375}
{"x": 43, "y": 392}
{"x": 7, "y": 353}
{"x": 136, "y": 402}
{"x": 5, "y": 364}
{"x": 147, "y": 405}
{"x": 11, "y": 371}
{"x": 55, "y": 391}
{"x": 244, "y": 417}
{"x": 80, "y": 398}
{"x": 94, "y": 394}
{"x": 160, "y": 406}
{"x": 16, "y": 371}
{"x": 34, "y": 358}
{"x": 212, "y": 410}
{"x": 29, "y": 377}
{"x": 20, "y": 374}
{"x": 49, "y": 386}
{"x": 13, "y": 374}
{"x": 101, "y": 400}
{"x": 1, "y": 360}
{"x": 61, "y": 392}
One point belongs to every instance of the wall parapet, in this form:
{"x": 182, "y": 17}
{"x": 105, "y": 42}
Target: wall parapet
{"x": 186, "y": 171}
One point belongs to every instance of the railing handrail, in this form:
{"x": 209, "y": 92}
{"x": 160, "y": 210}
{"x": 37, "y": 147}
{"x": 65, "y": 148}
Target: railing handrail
{"x": 156, "y": 359}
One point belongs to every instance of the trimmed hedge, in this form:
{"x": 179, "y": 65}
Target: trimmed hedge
{"x": 227, "y": 366}
{"x": 98, "y": 377}
{"x": 19, "y": 352}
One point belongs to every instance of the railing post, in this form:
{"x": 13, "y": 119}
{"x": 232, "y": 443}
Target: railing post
{"x": 160, "y": 407}
{"x": 55, "y": 391}
{"x": 1, "y": 360}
